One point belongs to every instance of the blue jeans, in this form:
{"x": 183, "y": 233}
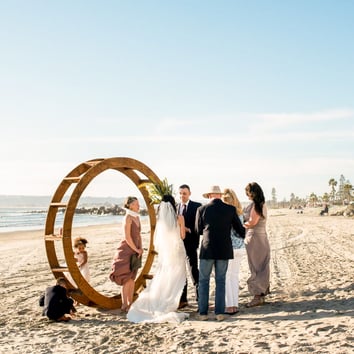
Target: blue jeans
{"x": 205, "y": 268}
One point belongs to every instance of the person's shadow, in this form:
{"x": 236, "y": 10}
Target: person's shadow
{"x": 306, "y": 309}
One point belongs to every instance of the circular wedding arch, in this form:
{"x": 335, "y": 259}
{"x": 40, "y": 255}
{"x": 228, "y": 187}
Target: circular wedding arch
{"x": 78, "y": 179}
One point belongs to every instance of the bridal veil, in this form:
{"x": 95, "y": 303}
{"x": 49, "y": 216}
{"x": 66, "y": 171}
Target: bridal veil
{"x": 159, "y": 301}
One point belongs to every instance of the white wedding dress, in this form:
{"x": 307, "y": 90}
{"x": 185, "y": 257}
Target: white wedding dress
{"x": 159, "y": 301}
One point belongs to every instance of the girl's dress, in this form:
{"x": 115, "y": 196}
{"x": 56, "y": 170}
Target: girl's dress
{"x": 159, "y": 301}
{"x": 84, "y": 269}
{"x": 121, "y": 262}
{"x": 258, "y": 254}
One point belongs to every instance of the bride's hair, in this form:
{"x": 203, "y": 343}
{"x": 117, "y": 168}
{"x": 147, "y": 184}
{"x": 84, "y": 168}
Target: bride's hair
{"x": 168, "y": 198}
{"x": 167, "y": 211}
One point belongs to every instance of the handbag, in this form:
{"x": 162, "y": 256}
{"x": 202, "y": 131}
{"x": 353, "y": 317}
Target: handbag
{"x": 135, "y": 262}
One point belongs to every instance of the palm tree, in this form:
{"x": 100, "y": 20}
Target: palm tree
{"x": 274, "y": 197}
{"x": 325, "y": 197}
{"x": 332, "y": 183}
{"x": 292, "y": 198}
{"x": 347, "y": 188}
{"x": 313, "y": 199}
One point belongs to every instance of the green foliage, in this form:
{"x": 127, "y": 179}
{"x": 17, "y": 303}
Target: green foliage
{"x": 325, "y": 197}
{"x": 157, "y": 191}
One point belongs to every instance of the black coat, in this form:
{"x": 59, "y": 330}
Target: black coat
{"x": 214, "y": 221}
{"x": 191, "y": 241}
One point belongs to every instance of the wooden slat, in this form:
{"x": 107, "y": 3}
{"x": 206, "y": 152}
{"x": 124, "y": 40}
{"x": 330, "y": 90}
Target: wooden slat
{"x": 72, "y": 179}
{"x": 92, "y": 162}
{"x": 53, "y": 237}
{"x": 144, "y": 181}
{"x": 148, "y": 276}
{"x": 60, "y": 269}
{"x": 58, "y": 205}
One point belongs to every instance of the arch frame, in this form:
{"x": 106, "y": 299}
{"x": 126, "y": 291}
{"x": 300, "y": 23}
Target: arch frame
{"x": 80, "y": 177}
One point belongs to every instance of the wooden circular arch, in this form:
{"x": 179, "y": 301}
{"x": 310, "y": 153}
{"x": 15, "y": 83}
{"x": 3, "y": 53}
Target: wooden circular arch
{"x": 79, "y": 178}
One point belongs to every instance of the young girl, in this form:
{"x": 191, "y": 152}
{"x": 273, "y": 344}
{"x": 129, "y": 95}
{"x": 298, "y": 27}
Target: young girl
{"x": 81, "y": 257}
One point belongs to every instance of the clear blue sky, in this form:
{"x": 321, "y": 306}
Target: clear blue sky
{"x": 203, "y": 92}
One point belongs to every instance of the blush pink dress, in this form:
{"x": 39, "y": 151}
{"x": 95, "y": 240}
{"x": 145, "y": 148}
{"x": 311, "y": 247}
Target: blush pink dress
{"x": 121, "y": 262}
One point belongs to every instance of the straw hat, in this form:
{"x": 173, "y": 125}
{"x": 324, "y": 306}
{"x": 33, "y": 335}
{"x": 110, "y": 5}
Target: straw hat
{"x": 213, "y": 190}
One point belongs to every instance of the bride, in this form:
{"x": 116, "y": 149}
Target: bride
{"x": 158, "y": 302}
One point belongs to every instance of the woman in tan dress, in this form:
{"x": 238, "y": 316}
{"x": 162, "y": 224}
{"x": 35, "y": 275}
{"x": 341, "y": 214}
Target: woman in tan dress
{"x": 257, "y": 245}
{"x": 131, "y": 244}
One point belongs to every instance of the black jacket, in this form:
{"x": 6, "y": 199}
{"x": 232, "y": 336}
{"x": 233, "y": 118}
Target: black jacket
{"x": 56, "y": 302}
{"x": 191, "y": 241}
{"x": 214, "y": 221}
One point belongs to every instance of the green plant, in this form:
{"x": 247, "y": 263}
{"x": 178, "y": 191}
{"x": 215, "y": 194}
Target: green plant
{"x": 157, "y": 190}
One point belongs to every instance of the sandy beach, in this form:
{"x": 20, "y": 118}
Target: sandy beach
{"x": 310, "y": 309}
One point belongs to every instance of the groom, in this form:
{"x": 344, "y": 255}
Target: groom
{"x": 188, "y": 209}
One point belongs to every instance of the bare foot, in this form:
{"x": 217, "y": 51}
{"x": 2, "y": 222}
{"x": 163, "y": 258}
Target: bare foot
{"x": 125, "y": 308}
{"x": 256, "y": 301}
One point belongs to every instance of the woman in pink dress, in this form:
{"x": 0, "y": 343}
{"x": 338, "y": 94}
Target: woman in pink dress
{"x": 131, "y": 244}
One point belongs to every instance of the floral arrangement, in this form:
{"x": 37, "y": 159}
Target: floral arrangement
{"x": 158, "y": 190}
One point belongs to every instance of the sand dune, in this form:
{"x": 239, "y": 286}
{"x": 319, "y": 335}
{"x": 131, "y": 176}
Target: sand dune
{"x": 310, "y": 309}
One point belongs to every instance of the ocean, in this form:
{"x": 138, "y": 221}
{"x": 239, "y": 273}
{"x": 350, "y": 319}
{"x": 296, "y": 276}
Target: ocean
{"x": 23, "y": 213}
{"x": 29, "y": 218}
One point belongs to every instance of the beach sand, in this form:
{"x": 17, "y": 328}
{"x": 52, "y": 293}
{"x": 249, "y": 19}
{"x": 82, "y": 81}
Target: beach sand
{"x": 310, "y": 309}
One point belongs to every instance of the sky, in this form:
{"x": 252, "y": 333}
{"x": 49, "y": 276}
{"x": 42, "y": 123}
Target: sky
{"x": 202, "y": 92}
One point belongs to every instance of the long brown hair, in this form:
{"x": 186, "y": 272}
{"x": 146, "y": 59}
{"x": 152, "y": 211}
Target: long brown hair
{"x": 254, "y": 190}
